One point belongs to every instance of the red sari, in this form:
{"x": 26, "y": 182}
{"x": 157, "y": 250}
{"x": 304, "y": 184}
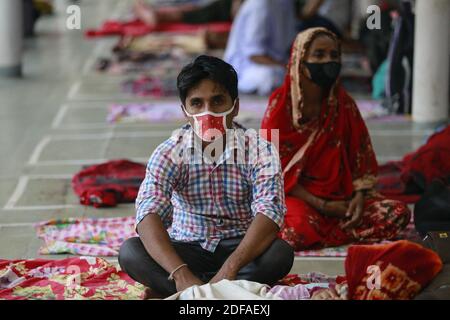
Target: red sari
{"x": 331, "y": 157}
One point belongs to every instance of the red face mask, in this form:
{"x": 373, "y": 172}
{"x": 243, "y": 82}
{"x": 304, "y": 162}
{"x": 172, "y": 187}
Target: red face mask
{"x": 210, "y": 126}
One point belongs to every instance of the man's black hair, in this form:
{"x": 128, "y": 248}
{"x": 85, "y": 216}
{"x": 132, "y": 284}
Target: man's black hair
{"x": 207, "y": 67}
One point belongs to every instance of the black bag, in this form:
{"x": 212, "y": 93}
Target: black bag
{"x": 439, "y": 242}
{"x": 432, "y": 211}
{"x": 439, "y": 288}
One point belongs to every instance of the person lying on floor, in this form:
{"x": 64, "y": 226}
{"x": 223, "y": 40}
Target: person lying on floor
{"x": 222, "y": 216}
{"x": 216, "y": 11}
{"x": 259, "y": 42}
{"x": 328, "y": 161}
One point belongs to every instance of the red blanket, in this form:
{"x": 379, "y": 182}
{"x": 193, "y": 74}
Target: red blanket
{"x": 405, "y": 268}
{"x": 394, "y": 271}
{"x": 405, "y": 179}
{"x": 68, "y": 279}
{"x": 110, "y": 183}
{"x": 138, "y": 28}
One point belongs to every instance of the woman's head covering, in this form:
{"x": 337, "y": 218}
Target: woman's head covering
{"x": 300, "y": 48}
{"x": 339, "y": 132}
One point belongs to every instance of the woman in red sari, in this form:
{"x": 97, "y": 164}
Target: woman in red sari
{"x": 327, "y": 157}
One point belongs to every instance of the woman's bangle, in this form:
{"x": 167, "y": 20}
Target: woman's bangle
{"x": 170, "y": 278}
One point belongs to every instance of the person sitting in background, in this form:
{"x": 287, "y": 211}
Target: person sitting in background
{"x": 259, "y": 42}
{"x": 328, "y": 161}
{"x": 333, "y": 15}
{"x": 32, "y": 11}
{"x": 223, "y": 215}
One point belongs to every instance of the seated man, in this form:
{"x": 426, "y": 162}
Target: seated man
{"x": 259, "y": 43}
{"x": 223, "y": 215}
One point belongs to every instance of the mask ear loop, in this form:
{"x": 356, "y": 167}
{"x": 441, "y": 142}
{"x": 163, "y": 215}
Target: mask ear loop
{"x": 196, "y": 124}
{"x": 223, "y": 114}
{"x": 224, "y": 120}
{"x": 185, "y": 111}
{"x": 305, "y": 68}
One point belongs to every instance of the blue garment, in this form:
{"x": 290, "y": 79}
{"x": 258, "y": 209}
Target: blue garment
{"x": 261, "y": 27}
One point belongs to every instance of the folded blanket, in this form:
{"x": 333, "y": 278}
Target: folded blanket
{"x": 407, "y": 179}
{"x": 395, "y": 271}
{"x": 292, "y": 287}
{"x": 137, "y": 27}
{"x": 109, "y": 183}
{"x": 226, "y": 290}
{"x": 85, "y": 236}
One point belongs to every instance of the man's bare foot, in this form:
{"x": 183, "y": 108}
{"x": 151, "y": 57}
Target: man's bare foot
{"x": 150, "y": 294}
{"x": 145, "y": 13}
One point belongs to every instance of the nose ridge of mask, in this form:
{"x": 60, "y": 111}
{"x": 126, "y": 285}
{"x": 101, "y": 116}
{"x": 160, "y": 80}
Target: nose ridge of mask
{"x": 210, "y": 124}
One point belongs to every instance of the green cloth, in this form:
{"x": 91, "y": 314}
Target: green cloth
{"x": 379, "y": 82}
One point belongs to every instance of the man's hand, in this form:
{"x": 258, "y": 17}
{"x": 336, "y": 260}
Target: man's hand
{"x": 260, "y": 235}
{"x": 310, "y": 9}
{"x": 355, "y": 211}
{"x": 226, "y": 272}
{"x": 184, "y": 279}
{"x": 336, "y": 209}
{"x": 156, "y": 241}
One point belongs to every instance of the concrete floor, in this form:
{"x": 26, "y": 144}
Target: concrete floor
{"x": 53, "y": 121}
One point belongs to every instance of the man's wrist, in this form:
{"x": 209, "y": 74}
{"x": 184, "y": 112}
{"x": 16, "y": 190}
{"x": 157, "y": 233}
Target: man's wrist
{"x": 181, "y": 274}
{"x": 231, "y": 265}
{"x": 183, "y": 265}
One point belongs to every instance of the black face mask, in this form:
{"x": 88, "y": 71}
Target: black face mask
{"x": 324, "y": 74}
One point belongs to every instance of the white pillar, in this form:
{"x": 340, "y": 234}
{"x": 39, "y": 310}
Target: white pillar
{"x": 431, "y": 61}
{"x": 11, "y": 35}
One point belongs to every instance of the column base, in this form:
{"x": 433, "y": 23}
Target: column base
{"x": 429, "y": 124}
{"x": 11, "y": 72}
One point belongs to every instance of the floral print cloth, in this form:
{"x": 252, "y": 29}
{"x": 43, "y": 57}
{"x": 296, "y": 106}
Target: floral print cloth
{"x": 81, "y": 278}
{"x": 104, "y": 236}
{"x": 85, "y": 236}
